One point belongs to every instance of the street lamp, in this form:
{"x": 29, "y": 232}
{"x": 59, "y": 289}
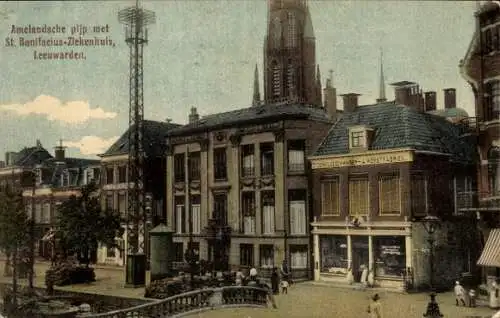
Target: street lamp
{"x": 432, "y": 223}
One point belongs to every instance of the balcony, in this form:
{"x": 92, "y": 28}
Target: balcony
{"x": 478, "y": 201}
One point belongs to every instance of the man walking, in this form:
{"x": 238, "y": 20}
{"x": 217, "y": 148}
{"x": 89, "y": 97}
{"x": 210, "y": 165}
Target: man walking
{"x": 460, "y": 294}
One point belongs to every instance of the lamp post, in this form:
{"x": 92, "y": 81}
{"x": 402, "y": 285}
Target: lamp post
{"x": 432, "y": 223}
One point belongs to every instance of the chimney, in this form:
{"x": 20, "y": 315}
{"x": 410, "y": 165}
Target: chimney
{"x": 450, "y": 98}
{"x": 408, "y": 94}
{"x": 59, "y": 152}
{"x": 330, "y": 98}
{"x": 193, "y": 116}
{"x": 10, "y": 158}
{"x": 350, "y": 101}
{"x": 430, "y": 101}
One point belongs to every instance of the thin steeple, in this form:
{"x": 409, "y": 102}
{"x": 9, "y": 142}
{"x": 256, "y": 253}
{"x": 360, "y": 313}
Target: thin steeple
{"x": 381, "y": 94}
{"x": 256, "y": 91}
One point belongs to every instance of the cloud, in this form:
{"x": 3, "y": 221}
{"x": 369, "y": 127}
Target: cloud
{"x": 73, "y": 112}
{"x": 91, "y": 145}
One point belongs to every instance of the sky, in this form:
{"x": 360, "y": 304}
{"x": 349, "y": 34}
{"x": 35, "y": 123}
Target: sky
{"x": 202, "y": 54}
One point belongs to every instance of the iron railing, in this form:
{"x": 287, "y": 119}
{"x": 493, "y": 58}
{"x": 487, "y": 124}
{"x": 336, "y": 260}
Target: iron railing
{"x": 194, "y": 301}
{"x": 472, "y": 200}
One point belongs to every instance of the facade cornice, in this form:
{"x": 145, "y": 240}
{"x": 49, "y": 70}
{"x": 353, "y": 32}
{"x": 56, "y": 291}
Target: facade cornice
{"x": 370, "y": 157}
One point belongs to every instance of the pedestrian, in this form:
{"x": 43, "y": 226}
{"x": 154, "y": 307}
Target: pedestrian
{"x": 375, "y": 307}
{"x": 275, "y": 281}
{"x": 494, "y": 302}
{"x": 269, "y": 297}
{"x": 284, "y": 287}
{"x": 239, "y": 277}
{"x": 460, "y": 294}
{"x": 472, "y": 298}
{"x": 285, "y": 272}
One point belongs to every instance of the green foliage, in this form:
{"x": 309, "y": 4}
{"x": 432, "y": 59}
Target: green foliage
{"x": 81, "y": 224}
{"x": 14, "y": 223}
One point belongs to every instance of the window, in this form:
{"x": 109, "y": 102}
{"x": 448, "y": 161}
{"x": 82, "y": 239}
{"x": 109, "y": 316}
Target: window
{"x": 267, "y": 159}
{"x": 276, "y": 31}
{"x": 297, "y": 209}
{"x": 110, "y": 252}
{"x": 38, "y": 175}
{"x": 246, "y": 255}
{"x": 109, "y": 202}
{"x": 266, "y": 256}
{"x": 330, "y": 197}
{"x": 248, "y": 209}
{"x": 89, "y": 175}
{"x": 298, "y": 256}
{"x": 220, "y": 164}
{"x": 122, "y": 174}
{"x": 296, "y": 155}
{"x": 247, "y": 161}
{"x": 196, "y": 213}
{"x": 38, "y": 213}
{"x": 46, "y": 213}
{"x": 65, "y": 178}
{"x": 495, "y": 97}
{"x": 194, "y": 163}
{"x": 180, "y": 215}
{"x": 122, "y": 204}
{"x": 110, "y": 175}
{"x": 389, "y": 194}
{"x": 220, "y": 208}
{"x": 359, "y": 200}
{"x": 494, "y": 170}
{"x": 418, "y": 194}
{"x": 292, "y": 30}
{"x": 178, "y": 252}
{"x": 276, "y": 80}
{"x": 179, "y": 168}
{"x": 357, "y": 139}
{"x": 267, "y": 212}
{"x": 291, "y": 79}
{"x": 389, "y": 252}
{"x": 333, "y": 254}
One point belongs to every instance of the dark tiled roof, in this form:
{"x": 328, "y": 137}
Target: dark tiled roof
{"x": 154, "y": 139}
{"x": 31, "y": 156}
{"x": 398, "y": 126}
{"x": 251, "y": 115}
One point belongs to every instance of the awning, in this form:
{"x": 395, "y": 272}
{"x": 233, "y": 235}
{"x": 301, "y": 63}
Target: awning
{"x": 491, "y": 253}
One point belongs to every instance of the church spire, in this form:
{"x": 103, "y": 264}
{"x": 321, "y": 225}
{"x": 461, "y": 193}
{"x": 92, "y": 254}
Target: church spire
{"x": 381, "y": 95}
{"x": 256, "y": 91}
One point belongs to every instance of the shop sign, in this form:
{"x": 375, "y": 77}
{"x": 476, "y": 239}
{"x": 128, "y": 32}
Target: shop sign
{"x": 390, "y": 249}
{"x": 365, "y": 159}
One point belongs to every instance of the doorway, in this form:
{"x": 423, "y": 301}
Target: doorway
{"x": 360, "y": 255}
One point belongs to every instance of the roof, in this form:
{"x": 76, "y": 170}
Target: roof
{"x": 155, "y": 133}
{"x": 255, "y": 114}
{"x": 398, "y": 126}
{"x": 31, "y": 156}
{"x": 450, "y": 112}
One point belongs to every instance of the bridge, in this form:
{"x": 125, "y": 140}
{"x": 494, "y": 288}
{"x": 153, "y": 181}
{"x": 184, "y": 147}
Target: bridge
{"x": 193, "y": 302}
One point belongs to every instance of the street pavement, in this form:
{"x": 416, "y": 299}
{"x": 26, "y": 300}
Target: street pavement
{"x": 303, "y": 299}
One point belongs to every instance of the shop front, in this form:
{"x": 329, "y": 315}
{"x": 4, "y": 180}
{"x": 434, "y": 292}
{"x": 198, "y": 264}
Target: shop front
{"x": 385, "y": 251}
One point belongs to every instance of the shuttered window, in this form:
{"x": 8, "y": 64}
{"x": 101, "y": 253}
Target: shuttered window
{"x": 389, "y": 194}
{"x": 330, "y": 197}
{"x": 359, "y": 203}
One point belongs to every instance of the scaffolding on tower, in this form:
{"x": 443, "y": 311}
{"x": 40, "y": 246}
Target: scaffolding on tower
{"x": 136, "y": 20}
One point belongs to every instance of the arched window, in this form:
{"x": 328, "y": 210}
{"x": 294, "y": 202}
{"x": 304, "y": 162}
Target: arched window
{"x": 276, "y": 80}
{"x": 276, "y": 32}
{"x": 291, "y": 79}
{"x": 291, "y": 40}
{"x": 494, "y": 170}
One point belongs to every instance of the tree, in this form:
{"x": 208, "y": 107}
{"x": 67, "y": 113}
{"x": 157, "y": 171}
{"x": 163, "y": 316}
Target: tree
{"x": 82, "y": 224}
{"x": 14, "y": 228}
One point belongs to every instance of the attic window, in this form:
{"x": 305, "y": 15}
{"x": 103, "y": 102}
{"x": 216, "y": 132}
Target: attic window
{"x": 359, "y": 137}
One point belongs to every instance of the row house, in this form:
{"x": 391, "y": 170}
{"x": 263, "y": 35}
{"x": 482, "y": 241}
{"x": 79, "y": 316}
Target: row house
{"x": 114, "y": 181}
{"x": 47, "y": 181}
{"x": 481, "y": 69}
{"x": 379, "y": 172}
{"x": 241, "y": 177}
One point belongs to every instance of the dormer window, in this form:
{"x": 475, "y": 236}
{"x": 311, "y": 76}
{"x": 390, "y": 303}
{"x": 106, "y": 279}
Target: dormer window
{"x": 359, "y": 137}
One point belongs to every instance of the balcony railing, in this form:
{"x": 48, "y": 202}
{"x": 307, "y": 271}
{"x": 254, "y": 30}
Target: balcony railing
{"x": 467, "y": 200}
{"x": 193, "y": 302}
{"x": 474, "y": 200}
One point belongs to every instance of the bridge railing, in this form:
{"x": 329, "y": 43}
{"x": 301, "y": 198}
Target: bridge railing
{"x": 192, "y": 302}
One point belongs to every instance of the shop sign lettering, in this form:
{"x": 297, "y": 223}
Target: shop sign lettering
{"x": 362, "y": 160}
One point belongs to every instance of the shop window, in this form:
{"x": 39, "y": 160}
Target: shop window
{"x": 333, "y": 254}
{"x": 267, "y": 256}
{"x": 298, "y": 256}
{"x": 418, "y": 194}
{"x": 330, "y": 197}
{"x": 389, "y": 195}
{"x": 359, "y": 200}
{"x": 246, "y": 255}
{"x": 389, "y": 255}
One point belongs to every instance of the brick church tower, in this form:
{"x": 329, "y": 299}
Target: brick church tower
{"x": 290, "y": 71}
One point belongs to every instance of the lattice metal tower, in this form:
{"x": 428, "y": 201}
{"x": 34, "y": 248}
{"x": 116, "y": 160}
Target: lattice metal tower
{"x": 136, "y": 21}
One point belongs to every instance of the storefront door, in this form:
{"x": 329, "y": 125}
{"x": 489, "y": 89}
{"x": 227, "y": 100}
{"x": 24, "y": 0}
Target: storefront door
{"x": 360, "y": 255}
